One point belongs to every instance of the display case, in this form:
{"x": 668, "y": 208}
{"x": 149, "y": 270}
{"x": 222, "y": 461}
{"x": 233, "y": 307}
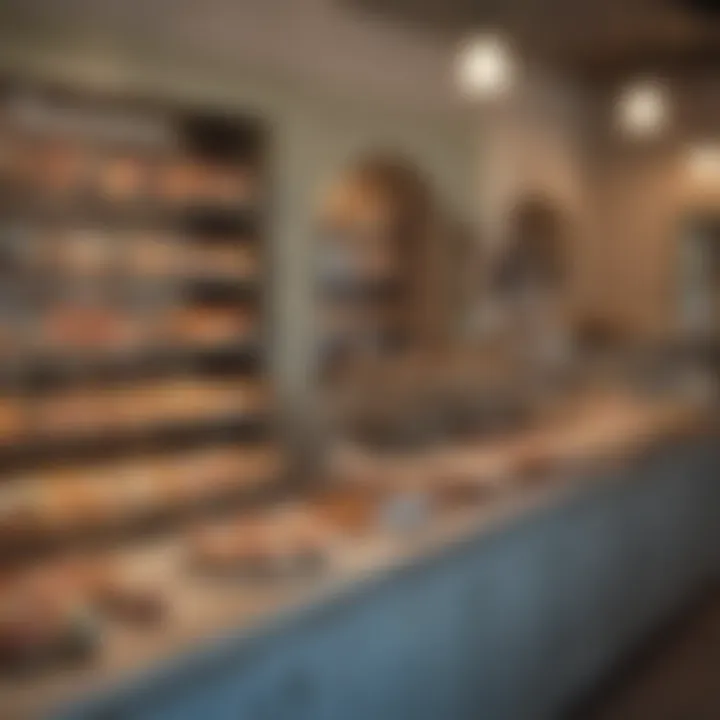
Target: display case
{"x": 135, "y": 394}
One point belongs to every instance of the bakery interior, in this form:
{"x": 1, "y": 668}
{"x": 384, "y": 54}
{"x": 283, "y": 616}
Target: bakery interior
{"x": 359, "y": 357}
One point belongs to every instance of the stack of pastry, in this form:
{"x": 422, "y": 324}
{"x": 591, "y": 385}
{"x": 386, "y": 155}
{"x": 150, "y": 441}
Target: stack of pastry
{"x": 209, "y": 326}
{"x": 90, "y": 329}
{"x": 282, "y": 543}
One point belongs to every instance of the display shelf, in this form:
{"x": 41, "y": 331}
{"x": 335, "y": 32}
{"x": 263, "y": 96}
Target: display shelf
{"x": 132, "y": 275}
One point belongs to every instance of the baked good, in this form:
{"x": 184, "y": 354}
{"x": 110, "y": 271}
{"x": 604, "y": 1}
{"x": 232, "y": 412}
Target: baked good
{"x": 17, "y": 511}
{"x": 153, "y": 256}
{"x": 178, "y": 182}
{"x": 209, "y": 326}
{"x": 122, "y": 178}
{"x": 233, "y": 261}
{"x": 83, "y": 253}
{"x": 277, "y": 544}
{"x": 65, "y": 501}
{"x": 13, "y": 420}
{"x": 77, "y": 412}
{"x": 59, "y": 168}
{"x": 89, "y": 329}
{"x": 44, "y": 618}
{"x": 226, "y": 185}
{"x": 123, "y": 591}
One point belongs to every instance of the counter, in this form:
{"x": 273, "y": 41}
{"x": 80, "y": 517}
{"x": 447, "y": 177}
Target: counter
{"x": 504, "y": 610}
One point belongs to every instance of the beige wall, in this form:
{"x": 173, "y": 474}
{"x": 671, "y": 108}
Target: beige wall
{"x": 534, "y": 143}
{"x": 640, "y": 193}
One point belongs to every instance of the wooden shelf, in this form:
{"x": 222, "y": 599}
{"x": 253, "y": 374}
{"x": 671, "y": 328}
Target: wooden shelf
{"x": 118, "y": 195}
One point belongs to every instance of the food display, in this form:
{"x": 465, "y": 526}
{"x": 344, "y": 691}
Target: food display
{"x": 117, "y": 422}
{"x": 209, "y": 326}
{"x": 89, "y": 328}
{"x": 108, "y": 496}
{"x": 277, "y": 543}
{"x": 203, "y": 184}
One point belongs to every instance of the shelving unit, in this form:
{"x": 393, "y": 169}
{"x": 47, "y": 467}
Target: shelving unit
{"x": 376, "y": 262}
{"x": 133, "y": 330}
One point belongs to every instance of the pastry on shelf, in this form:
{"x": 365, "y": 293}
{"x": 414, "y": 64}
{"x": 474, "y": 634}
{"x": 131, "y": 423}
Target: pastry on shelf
{"x": 182, "y": 400}
{"x": 256, "y": 465}
{"x": 121, "y": 178}
{"x": 200, "y": 474}
{"x": 228, "y": 186}
{"x": 74, "y": 412}
{"x": 84, "y": 254}
{"x": 65, "y": 501}
{"x": 280, "y": 543}
{"x": 153, "y": 255}
{"x": 60, "y": 169}
{"x": 137, "y": 489}
{"x": 90, "y": 328}
{"x": 178, "y": 182}
{"x": 209, "y": 326}
{"x": 17, "y": 510}
{"x": 211, "y": 473}
{"x": 13, "y": 420}
{"x": 141, "y": 405}
{"x": 236, "y": 261}
{"x": 207, "y": 398}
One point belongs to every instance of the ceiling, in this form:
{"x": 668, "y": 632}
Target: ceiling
{"x": 597, "y": 38}
{"x": 398, "y": 51}
{"x": 326, "y": 44}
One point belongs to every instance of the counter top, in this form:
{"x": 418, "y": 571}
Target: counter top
{"x": 206, "y": 616}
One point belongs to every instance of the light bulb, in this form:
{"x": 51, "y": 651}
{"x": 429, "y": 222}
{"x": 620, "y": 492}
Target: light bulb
{"x": 485, "y": 67}
{"x": 643, "y": 109}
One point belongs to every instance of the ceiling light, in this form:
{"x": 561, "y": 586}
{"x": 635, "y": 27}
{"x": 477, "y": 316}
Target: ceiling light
{"x": 485, "y": 66}
{"x": 643, "y": 109}
{"x": 704, "y": 161}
